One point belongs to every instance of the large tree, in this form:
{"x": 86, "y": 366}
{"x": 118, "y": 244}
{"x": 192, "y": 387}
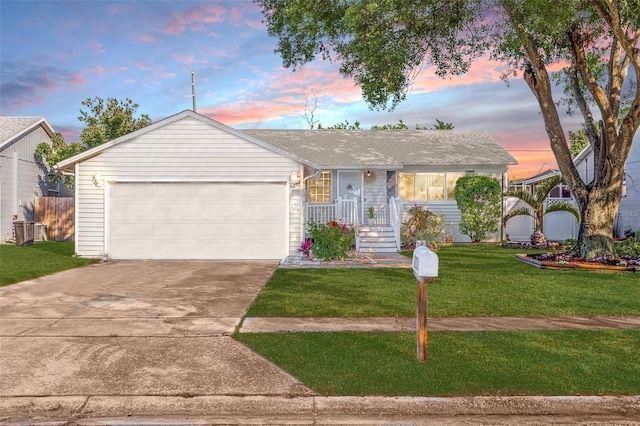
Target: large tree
{"x": 383, "y": 44}
{"x": 110, "y": 119}
{"x": 104, "y": 121}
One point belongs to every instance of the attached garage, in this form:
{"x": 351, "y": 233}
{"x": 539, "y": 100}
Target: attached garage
{"x": 196, "y": 220}
{"x": 187, "y": 187}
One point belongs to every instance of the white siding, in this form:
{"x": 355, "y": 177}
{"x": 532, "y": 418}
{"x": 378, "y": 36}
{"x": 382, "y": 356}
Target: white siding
{"x": 182, "y": 151}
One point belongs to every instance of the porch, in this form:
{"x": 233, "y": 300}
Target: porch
{"x": 379, "y": 234}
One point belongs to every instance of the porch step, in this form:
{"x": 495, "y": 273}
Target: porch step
{"x": 377, "y": 239}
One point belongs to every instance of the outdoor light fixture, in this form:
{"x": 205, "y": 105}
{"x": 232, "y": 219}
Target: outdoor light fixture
{"x": 368, "y": 173}
{"x": 295, "y": 179}
{"x": 97, "y": 180}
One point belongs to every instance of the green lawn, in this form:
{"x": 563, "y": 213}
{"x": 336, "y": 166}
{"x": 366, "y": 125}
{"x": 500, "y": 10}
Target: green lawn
{"x": 19, "y": 263}
{"x": 481, "y": 363}
{"x": 474, "y": 280}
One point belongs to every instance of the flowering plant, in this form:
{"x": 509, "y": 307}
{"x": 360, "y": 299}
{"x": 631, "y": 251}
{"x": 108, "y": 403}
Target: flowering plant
{"x": 331, "y": 240}
{"x": 305, "y": 247}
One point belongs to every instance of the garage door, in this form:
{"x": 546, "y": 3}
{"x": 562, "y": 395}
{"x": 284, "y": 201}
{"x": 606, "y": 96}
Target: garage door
{"x": 197, "y": 221}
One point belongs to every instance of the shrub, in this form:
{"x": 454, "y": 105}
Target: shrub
{"x": 331, "y": 240}
{"x": 628, "y": 247}
{"x": 479, "y": 199}
{"x": 422, "y": 225}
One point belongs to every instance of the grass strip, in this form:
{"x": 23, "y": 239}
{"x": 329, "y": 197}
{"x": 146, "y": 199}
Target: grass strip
{"x": 459, "y": 364}
{"x": 20, "y": 263}
{"x": 474, "y": 280}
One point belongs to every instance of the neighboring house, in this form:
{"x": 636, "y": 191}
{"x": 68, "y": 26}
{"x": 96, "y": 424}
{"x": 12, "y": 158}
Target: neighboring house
{"x": 22, "y": 177}
{"x": 629, "y": 211}
{"x": 560, "y": 226}
{"x": 189, "y": 187}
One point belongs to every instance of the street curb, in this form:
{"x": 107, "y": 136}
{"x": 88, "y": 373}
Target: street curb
{"x": 18, "y": 410}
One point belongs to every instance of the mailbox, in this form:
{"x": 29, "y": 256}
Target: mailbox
{"x": 425, "y": 263}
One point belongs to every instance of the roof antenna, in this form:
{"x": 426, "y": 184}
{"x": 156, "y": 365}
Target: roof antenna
{"x": 193, "y": 89}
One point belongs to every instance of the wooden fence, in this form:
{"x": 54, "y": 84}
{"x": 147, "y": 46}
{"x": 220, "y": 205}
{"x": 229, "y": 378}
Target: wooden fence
{"x": 58, "y": 214}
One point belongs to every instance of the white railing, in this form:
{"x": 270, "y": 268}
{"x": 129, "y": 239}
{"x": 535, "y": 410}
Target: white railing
{"x": 347, "y": 210}
{"x": 396, "y": 209}
{"x": 380, "y": 215}
{"x": 343, "y": 211}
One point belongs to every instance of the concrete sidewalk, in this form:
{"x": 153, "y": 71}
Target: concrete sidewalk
{"x": 279, "y": 324}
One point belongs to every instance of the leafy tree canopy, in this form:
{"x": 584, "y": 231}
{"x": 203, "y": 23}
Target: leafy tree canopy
{"x": 441, "y": 125}
{"x": 108, "y": 120}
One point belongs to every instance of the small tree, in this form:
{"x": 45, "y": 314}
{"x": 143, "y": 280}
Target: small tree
{"x": 479, "y": 199}
{"x": 536, "y": 206}
{"x": 56, "y": 152}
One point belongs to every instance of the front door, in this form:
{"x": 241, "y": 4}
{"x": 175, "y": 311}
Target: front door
{"x": 350, "y": 188}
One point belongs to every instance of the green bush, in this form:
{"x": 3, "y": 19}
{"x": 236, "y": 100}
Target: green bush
{"x": 628, "y": 247}
{"x": 331, "y": 240}
{"x": 479, "y": 199}
{"x": 422, "y": 225}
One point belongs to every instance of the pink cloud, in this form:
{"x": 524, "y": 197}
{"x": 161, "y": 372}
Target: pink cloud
{"x": 76, "y": 79}
{"x": 148, "y": 38}
{"x": 187, "y": 59}
{"x": 240, "y": 113}
{"x": 312, "y": 80}
{"x": 194, "y": 18}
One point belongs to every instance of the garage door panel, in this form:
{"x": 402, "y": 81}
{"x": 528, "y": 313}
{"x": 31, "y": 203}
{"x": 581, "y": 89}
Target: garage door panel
{"x": 197, "y": 221}
{"x": 142, "y": 212}
{"x": 175, "y": 212}
{"x": 127, "y": 230}
{"x": 263, "y": 213}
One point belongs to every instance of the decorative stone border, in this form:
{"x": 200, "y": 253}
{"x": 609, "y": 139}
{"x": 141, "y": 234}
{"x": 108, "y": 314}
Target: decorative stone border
{"x": 574, "y": 265}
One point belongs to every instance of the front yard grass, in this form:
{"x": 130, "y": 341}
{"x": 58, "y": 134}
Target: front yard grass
{"x": 474, "y": 280}
{"x": 458, "y": 364}
{"x": 19, "y": 263}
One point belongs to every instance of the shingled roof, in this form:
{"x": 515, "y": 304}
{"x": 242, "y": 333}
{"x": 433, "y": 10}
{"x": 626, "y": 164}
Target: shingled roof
{"x": 390, "y": 149}
{"x": 12, "y": 128}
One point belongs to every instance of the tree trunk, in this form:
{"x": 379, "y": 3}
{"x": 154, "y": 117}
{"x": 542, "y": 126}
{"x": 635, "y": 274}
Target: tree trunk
{"x": 595, "y": 238}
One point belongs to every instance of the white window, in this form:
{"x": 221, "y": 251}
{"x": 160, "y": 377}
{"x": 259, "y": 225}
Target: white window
{"x": 320, "y": 190}
{"x": 427, "y": 186}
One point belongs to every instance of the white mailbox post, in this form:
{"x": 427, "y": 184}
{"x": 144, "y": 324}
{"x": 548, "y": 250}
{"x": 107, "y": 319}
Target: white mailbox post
{"x": 425, "y": 269}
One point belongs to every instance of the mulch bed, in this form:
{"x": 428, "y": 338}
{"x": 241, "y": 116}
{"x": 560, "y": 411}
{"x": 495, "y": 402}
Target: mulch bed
{"x": 564, "y": 261}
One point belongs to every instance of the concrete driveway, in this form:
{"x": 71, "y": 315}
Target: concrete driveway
{"x": 124, "y": 330}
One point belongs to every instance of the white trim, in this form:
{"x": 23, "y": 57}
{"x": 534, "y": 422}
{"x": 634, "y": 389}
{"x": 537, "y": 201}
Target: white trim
{"x": 169, "y": 180}
{"x": 106, "y": 194}
{"x": 76, "y": 208}
{"x": 287, "y": 216}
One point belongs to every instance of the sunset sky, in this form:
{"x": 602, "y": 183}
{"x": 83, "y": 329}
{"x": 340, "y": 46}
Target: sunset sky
{"x": 55, "y": 54}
